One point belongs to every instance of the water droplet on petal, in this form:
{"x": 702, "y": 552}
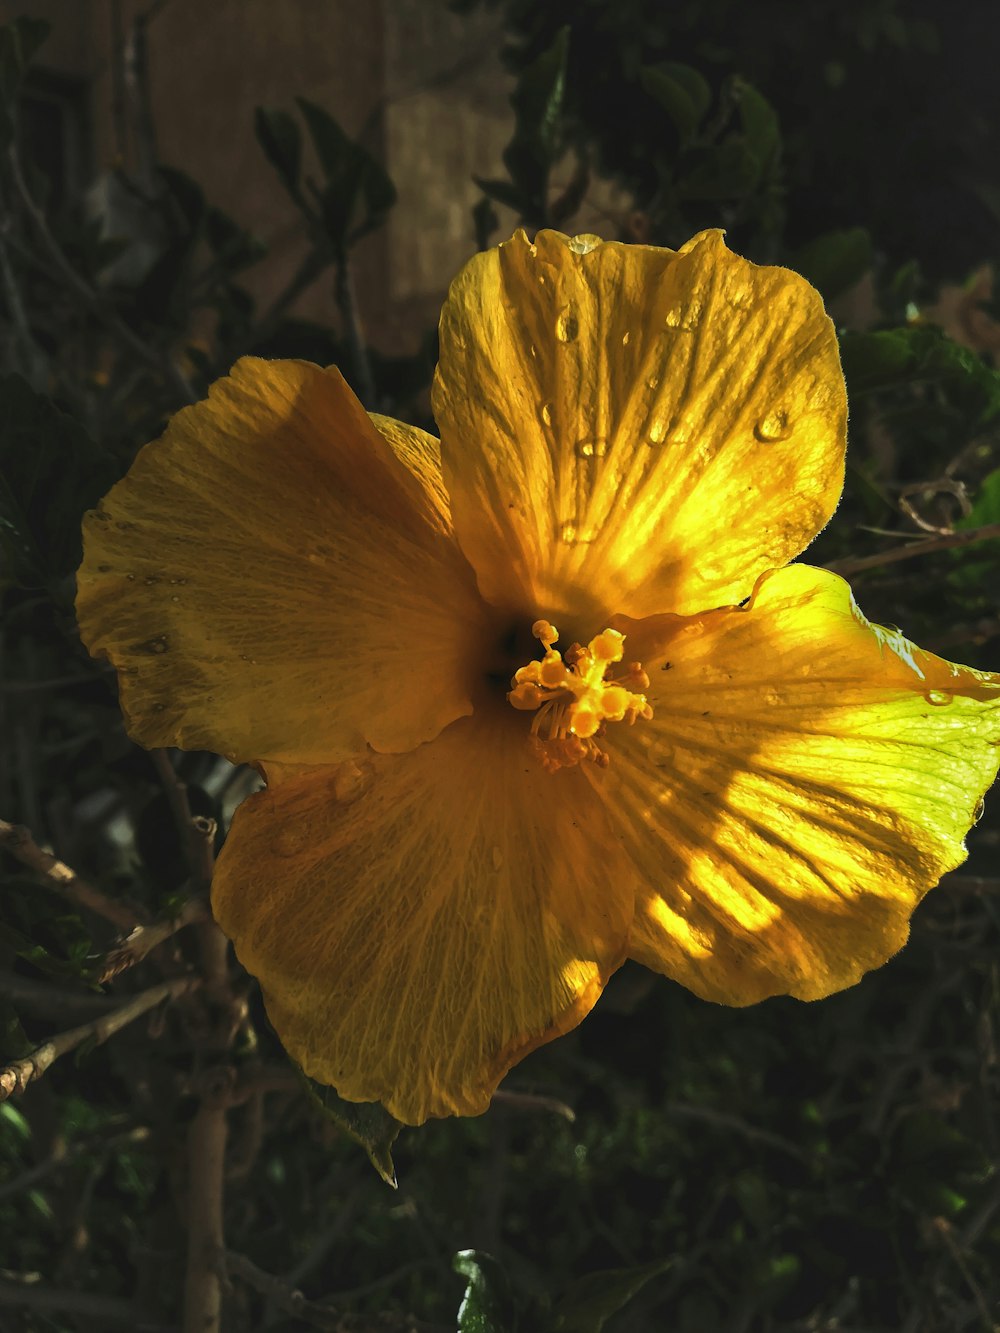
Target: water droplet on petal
{"x": 626, "y": 336}
{"x": 653, "y": 382}
{"x": 567, "y": 326}
{"x": 673, "y": 319}
{"x": 773, "y": 426}
{"x": 583, "y": 244}
{"x": 591, "y": 448}
{"x": 546, "y": 413}
{"x": 938, "y": 698}
{"x": 657, "y": 432}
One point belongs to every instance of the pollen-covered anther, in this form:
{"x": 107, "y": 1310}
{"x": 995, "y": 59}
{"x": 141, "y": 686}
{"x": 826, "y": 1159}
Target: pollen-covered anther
{"x": 573, "y": 699}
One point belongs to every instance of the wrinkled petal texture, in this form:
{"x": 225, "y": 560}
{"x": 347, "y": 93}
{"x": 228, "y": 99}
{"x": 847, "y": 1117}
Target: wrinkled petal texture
{"x": 420, "y": 922}
{"x": 805, "y": 779}
{"x": 275, "y": 578}
{"x": 632, "y": 429}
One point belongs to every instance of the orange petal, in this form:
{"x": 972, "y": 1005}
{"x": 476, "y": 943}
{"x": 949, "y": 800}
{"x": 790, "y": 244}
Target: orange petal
{"x": 805, "y": 779}
{"x": 421, "y": 922}
{"x": 274, "y": 578}
{"x": 628, "y": 429}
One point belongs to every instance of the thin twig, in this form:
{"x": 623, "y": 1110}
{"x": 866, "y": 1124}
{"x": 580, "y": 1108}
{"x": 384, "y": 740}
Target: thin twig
{"x": 143, "y": 939}
{"x": 86, "y": 295}
{"x": 318, "y": 1313}
{"x": 16, "y": 1076}
{"x": 925, "y": 546}
{"x": 57, "y": 875}
{"x": 44, "y": 1000}
{"x": 531, "y": 1101}
{"x": 84, "y": 1148}
{"x": 28, "y": 1296}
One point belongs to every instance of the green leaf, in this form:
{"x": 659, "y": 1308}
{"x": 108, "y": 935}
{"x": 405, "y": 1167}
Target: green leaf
{"x": 367, "y": 1123}
{"x": 590, "y": 1302}
{"x": 760, "y": 122}
{"x": 14, "y": 1041}
{"x": 358, "y": 192}
{"x": 279, "y": 135}
{"x": 538, "y": 101}
{"x": 835, "y": 261}
{"x": 487, "y": 1306}
{"x": 682, "y": 92}
{"x": 502, "y": 192}
{"x": 51, "y": 472}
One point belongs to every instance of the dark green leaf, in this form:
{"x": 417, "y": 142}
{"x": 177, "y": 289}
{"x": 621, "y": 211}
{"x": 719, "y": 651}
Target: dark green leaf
{"x": 51, "y": 472}
{"x": 502, "y": 192}
{"x": 538, "y": 109}
{"x": 590, "y": 1302}
{"x": 279, "y": 135}
{"x": 682, "y": 92}
{"x": 357, "y": 192}
{"x": 835, "y": 261}
{"x": 367, "y": 1123}
{"x": 487, "y": 1306}
{"x": 14, "y": 1041}
{"x": 759, "y": 121}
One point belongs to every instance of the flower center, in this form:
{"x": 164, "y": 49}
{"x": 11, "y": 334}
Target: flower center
{"x": 573, "y": 699}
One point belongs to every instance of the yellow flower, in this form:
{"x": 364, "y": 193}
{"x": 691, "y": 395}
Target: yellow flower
{"x": 723, "y": 771}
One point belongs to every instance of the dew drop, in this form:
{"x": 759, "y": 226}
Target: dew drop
{"x": 567, "y": 326}
{"x": 350, "y": 781}
{"x": 773, "y": 426}
{"x": 497, "y": 857}
{"x": 546, "y": 413}
{"x": 626, "y": 338}
{"x": 673, "y": 319}
{"x": 653, "y": 382}
{"x": 584, "y": 243}
{"x": 175, "y": 598}
{"x": 130, "y": 577}
{"x": 151, "y": 580}
{"x": 938, "y": 698}
{"x": 979, "y": 812}
{"x": 591, "y": 448}
{"x": 657, "y": 432}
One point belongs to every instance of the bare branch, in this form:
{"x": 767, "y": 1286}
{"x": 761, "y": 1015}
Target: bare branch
{"x": 57, "y": 875}
{"x": 16, "y": 1076}
{"x": 143, "y": 939}
{"x": 925, "y": 546}
{"x": 318, "y": 1313}
{"x": 530, "y": 1101}
{"x": 206, "y": 1186}
{"x": 29, "y": 1296}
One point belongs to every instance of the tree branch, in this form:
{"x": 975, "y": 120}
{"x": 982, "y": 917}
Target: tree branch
{"x": 925, "y": 546}
{"x": 57, "y": 875}
{"x": 143, "y": 939}
{"x": 16, "y": 1076}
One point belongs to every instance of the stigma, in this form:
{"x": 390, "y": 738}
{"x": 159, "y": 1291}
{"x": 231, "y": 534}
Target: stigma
{"x": 573, "y": 697}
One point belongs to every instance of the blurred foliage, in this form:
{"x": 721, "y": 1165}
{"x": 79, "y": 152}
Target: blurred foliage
{"x": 783, "y": 1169}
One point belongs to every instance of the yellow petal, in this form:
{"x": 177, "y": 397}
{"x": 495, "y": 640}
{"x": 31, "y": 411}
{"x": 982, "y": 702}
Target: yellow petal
{"x": 274, "y": 578}
{"x": 632, "y": 429}
{"x": 420, "y": 922}
{"x": 806, "y": 777}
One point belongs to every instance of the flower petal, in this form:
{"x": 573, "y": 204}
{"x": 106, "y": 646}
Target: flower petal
{"x": 625, "y": 428}
{"x": 275, "y": 579}
{"x": 805, "y": 779}
{"x": 421, "y": 922}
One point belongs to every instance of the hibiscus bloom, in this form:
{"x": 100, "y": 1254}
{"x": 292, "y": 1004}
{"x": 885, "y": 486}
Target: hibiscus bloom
{"x": 546, "y": 693}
